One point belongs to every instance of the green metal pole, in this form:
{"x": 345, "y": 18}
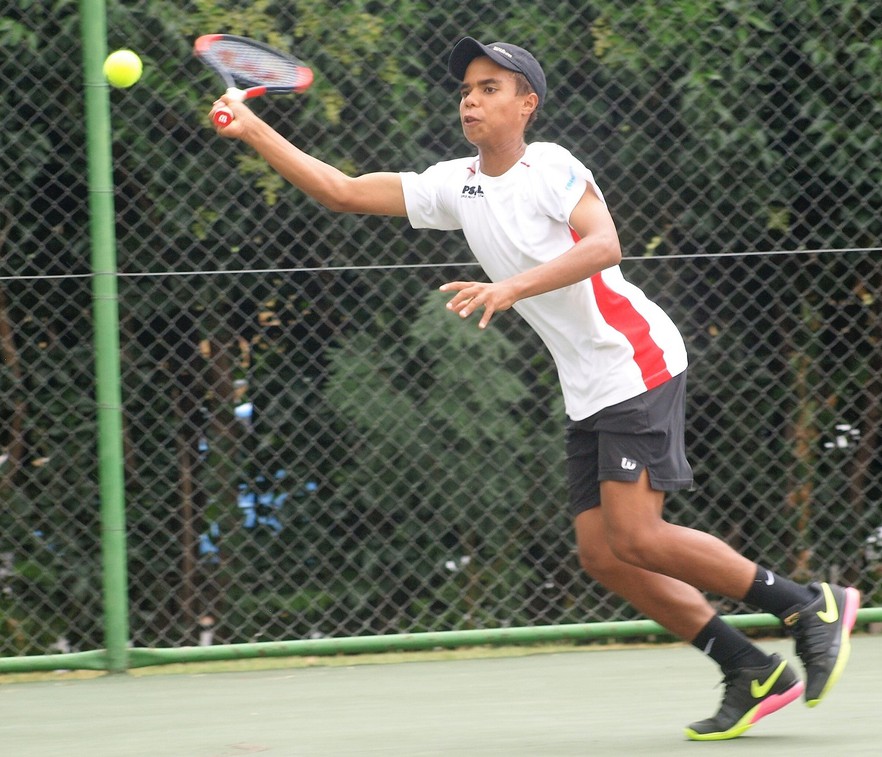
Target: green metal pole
{"x": 106, "y": 324}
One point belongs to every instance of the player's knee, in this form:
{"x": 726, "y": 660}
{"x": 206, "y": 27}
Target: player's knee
{"x": 597, "y": 562}
{"x": 635, "y": 547}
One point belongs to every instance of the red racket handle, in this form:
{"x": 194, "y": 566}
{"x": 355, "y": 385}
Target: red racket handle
{"x": 223, "y": 117}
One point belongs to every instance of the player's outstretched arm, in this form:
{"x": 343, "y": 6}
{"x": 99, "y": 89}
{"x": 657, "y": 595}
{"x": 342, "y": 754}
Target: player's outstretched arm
{"x": 373, "y": 193}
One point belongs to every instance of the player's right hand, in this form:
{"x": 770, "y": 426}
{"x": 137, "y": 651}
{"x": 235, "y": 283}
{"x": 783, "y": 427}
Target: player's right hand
{"x": 239, "y": 112}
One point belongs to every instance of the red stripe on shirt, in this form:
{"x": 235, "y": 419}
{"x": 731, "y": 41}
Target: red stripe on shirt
{"x": 622, "y": 316}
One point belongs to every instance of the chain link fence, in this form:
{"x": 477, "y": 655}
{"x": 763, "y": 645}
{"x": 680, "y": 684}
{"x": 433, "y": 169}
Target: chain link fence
{"x": 313, "y": 446}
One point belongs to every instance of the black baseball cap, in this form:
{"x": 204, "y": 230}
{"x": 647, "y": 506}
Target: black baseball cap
{"x": 508, "y": 56}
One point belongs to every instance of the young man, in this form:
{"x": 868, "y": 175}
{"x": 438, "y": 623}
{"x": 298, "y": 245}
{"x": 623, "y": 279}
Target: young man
{"x": 537, "y": 222}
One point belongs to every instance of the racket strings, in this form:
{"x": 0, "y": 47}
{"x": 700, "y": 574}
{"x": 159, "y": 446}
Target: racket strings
{"x": 255, "y": 67}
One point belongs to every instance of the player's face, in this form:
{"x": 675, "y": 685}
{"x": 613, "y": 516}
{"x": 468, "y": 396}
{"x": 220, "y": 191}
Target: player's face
{"x": 490, "y": 109}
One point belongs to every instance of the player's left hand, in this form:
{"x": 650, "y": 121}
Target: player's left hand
{"x": 471, "y": 295}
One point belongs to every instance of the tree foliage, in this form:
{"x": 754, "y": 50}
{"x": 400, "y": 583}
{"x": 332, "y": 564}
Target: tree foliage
{"x": 758, "y": 115}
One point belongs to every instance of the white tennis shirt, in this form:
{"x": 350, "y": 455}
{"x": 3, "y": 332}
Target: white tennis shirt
{"x": 609, "y": 342}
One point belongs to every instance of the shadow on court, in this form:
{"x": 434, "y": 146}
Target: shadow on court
{"x": 622, "y": 701}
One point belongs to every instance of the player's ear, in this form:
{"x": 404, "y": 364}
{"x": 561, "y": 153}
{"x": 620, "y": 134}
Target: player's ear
{"x": 531, "y": 103}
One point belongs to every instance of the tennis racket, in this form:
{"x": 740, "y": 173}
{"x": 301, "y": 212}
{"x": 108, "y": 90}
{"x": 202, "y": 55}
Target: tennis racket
{"x": 250, "y": 69}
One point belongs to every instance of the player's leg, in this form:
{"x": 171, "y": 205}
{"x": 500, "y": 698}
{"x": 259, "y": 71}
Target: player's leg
{"x": 819, "y": 616}
{"x": 647, "y": 433}
{"x": 677, "y": 606}
{"x": 672, "y": 603}
{"x": 638, "y": 535}
{"x": 757, "y": 684}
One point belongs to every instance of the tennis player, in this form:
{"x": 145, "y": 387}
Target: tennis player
{"x": 536, "y": 220}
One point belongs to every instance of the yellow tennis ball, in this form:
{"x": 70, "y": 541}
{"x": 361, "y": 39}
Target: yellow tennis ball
{"x": 123, "y": 68}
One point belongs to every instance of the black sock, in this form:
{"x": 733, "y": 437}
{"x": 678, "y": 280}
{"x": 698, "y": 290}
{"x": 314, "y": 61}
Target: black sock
{"x": 776, "y": 594}
{"x": 728, "y": 647}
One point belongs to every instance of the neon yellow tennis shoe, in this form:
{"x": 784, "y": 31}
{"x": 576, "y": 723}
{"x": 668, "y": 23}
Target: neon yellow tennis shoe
{"x": 822, "y": 630}
{"x": 750, "y": 695}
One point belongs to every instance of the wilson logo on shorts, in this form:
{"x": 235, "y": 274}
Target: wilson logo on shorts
{"x": 628, "y": 464}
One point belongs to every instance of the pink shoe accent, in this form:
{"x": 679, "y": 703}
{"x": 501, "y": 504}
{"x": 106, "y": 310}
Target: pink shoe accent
{"x": 777, "y": 701}
{"x": 852, "y": 603}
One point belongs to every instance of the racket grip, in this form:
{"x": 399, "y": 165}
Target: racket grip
{"x": 223, "y": 117}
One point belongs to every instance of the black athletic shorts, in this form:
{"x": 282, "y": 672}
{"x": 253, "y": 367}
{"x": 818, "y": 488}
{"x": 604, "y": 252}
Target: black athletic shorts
{"x": 618, "y": 442}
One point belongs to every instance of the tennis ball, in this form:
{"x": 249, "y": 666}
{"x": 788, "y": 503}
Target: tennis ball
{"x": 123, "y": 68}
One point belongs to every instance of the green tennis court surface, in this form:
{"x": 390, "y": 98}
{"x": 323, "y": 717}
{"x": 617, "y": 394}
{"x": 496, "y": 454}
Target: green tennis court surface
{"x": 600, "y": 701}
